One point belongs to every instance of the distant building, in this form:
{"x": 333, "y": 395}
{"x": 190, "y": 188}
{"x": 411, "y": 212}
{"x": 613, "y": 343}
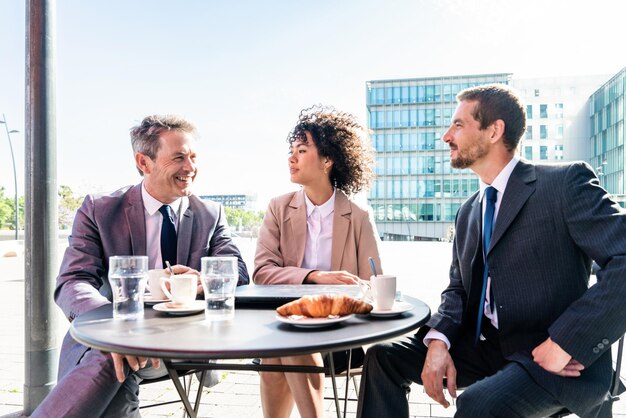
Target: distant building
{"x": 416, "y": 193}
{"x": 605, "y": 145}
{"x": 557, "y": 116}
{"x": 235, "y": 201}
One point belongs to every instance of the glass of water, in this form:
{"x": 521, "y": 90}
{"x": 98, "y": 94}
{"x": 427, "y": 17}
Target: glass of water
{"x": 128, "y": 276}
{"x": 219, "y": 277}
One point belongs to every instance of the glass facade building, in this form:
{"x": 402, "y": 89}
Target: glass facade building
{"x": 416, "y": 193}
{"x": 607, "y": 107}
{"x": 235, "y": 201}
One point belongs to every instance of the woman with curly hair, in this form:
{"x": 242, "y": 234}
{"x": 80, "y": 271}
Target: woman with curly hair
{"x": 316, "y": 236}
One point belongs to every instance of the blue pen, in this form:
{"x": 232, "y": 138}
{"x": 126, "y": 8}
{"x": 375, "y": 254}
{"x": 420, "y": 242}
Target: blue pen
{"x": 373, "y": 266}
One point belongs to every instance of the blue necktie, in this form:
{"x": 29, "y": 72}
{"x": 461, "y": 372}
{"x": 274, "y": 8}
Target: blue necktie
{"x": 490, "y": 196}
{"x": 168, "y": 236}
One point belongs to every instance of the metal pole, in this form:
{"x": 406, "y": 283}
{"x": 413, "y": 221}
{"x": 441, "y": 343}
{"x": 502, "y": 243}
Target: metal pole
{"x": 17, "y": 224}
{"x": 41, "y": 227}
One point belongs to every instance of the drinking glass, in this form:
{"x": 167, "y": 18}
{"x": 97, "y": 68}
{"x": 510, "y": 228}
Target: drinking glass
{"x": 128, "y": 275}
{"x": 219, "y": 277}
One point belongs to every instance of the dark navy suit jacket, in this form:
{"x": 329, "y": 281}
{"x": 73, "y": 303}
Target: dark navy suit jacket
{"x": 553, "y": 220}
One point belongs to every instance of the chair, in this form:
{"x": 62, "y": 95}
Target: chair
{"x": 349, "y": 373}
{"x": 616, "y": 385}
{"x": 186, "y": 377}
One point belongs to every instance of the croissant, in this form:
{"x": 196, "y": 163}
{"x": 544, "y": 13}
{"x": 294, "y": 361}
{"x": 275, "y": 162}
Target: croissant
{"x": 321, "y": 306}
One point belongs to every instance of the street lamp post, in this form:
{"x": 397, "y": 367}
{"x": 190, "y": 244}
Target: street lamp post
{"x": 9, "y": 132}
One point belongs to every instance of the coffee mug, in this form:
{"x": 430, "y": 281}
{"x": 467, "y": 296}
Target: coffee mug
{"x": 383, "y": 291}
{"x": 183, "y": 288}
{"x": 154, "y": 284}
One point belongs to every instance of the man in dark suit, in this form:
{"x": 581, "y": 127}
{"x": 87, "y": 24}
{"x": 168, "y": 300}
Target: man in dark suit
{"x": 129, "y": 221}
{"x": 518, "y": 326}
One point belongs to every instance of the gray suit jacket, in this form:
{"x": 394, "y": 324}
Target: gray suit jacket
{"x": 114, "y": 224}
{"x": 553, "y": 220}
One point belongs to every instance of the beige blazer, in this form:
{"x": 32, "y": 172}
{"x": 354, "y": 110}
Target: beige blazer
{"x": 280, "y": 247}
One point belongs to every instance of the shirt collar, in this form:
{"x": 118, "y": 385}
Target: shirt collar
{"x": 499, "y": 183}
{"x": 152, "y": 205}
{"x": 325, "y": 208}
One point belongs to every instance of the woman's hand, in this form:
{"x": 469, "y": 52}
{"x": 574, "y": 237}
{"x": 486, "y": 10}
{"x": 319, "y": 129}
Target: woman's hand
{"x": 330, "y": 277}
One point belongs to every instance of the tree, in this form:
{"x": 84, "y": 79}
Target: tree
{"x": 6, "y": 209}
{"x": 68, "y": 204}
{"x": 240, "y": 219}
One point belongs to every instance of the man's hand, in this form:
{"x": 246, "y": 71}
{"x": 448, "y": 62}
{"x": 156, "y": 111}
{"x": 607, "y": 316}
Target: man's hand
{"x": 438, "y": 365}
{"x": 331, "y": 277}
{"x": 554, "y": 359}
{"x": 135, "y": 364}
{"x": 180, "y": 269}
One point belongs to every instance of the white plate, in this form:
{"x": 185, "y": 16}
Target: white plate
{"x": 196, "y": 306}
{"x": 305, "y": 322}
{"x": 148, "y": 300}
{"x": 396, "y": 309}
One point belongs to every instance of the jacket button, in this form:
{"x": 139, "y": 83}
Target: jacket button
{"x": 605, "y": 341}
{"x": 600, "y": 346}
{"x": 595, "y": 350}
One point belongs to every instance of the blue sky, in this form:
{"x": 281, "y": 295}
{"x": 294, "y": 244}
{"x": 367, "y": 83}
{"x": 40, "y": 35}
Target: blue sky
{"x": 242, "y": 71}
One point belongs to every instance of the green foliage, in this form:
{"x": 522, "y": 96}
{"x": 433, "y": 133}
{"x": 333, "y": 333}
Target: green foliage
{"x": 6, "y": 209}
{"x": 68, "y": 204}
{"x": 240, "y": 219}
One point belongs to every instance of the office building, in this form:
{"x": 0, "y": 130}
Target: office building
{"x": 557, "y": 117}
{"x": 607, "y": 106}
{"x": 416, "y": 193}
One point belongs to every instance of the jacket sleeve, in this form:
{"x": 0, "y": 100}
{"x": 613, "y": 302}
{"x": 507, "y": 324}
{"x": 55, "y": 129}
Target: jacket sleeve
{"x": 269, "y": 266}
{"x": 367, "y": 246}
{"x": 221, "y": 244}
{"x": 82, "y": 270}
{"x": 449, "y": 316}
{"x": 598, "y": 227}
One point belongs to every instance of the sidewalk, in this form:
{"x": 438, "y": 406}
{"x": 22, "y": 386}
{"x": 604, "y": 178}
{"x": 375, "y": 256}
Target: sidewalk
{"x": 237, "y": 395}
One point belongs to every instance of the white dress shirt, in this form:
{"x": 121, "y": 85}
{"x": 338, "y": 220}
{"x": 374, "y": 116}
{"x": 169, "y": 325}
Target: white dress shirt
{"x": 319, "y": 234}
{"x": 154, "y": 220}
{"x": 499, "y": 183}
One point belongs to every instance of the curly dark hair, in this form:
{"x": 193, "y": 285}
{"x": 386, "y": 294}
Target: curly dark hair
{"x": 339, "y": 137}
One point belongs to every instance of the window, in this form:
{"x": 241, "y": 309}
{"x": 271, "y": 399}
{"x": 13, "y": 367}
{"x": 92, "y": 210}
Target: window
{"x": 558, "y": 152}
{"x": 558, "y": 110}
{"x": 528, "y": 153}
{"x": 559, "y": 132}
{"x": 529, "y": 111}
{"x": 529, "y": 132}
{"x": 543, "y": 131}
{"x": 543, "y": 111}
{"x": 543, "y": 152}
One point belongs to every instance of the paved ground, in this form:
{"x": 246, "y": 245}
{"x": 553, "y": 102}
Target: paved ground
{"x": 422, "y": 274}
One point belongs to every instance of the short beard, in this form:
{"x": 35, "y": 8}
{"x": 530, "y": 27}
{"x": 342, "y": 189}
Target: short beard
{"x": 468, "y": 160}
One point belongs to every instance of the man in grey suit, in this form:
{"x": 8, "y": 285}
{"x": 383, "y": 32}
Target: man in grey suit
{"x": 518, "y": 325}
{"x": 129, "y": 221}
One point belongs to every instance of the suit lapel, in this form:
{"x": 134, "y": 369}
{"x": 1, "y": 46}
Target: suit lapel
{"x": 183, "y": 239}
{"x": 296, "y": 218}
{"x": 518, "y": 189}
{"x": 341, "y": 227}
{"x": 475, "y": 248}
{"x": 135, "y": 219}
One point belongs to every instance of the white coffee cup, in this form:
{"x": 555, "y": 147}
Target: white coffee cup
{"x": 183, "y": 288}
{"x": 383, "y": 291}
{"x": 154, "y": 284}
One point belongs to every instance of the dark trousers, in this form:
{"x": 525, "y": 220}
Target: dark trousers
{"x": 494, "y": 386}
